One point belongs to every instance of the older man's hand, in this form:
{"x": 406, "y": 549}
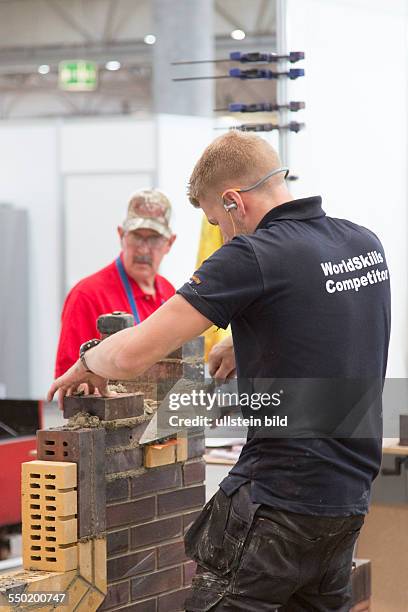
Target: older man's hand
{"x": 221, "y": 360}
{"x": 77, "y": 379}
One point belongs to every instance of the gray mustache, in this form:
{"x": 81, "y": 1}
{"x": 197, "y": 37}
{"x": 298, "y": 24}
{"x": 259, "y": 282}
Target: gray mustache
{"x": 143, "y": 259}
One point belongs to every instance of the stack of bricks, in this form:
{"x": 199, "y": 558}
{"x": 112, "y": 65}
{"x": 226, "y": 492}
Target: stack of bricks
{"x": 147, "y": 509}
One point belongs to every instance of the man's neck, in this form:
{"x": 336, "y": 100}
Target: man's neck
{"x": 146, "y": 284}
{"x": 281, "y": 196}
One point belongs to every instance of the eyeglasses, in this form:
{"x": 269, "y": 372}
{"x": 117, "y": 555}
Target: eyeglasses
{"x": 152, "y": 242}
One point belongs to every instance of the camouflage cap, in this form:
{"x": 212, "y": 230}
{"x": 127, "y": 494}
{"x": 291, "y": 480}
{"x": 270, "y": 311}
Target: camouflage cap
{"x": 149, "y": 209}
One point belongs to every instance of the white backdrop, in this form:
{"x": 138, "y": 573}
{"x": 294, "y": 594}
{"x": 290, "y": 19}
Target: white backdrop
{"x": 95, "y": 204}
{"x": 354, "y": 149}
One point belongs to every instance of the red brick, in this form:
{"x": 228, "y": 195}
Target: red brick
{"x": 117, "y": 489}
{"x": 189, "y": 518}
{"x": 147, "y": 605}
{"x": 173, "y": 601}
{"x": 158, "y": 582}
{"x": 156, "y": 479}
{"x": 193, "y": 471}
{"x": 129, "y": 513}
{"x": 196, "y": 446}
{"x": 122, "y": 406}
{"x": 171, "y": 554}
{"x": 117, "y": 595}
{"x": 123, "y": 436}
{"x": 117, "y": 542}
{"x": 189, "y": 569}
{"x": 156, "y": 531}
{"x": 174, "y": 501}
{"x": 130, "y": 565}
{"x": 86, "y": 448}
{"x": 124, "y": 460}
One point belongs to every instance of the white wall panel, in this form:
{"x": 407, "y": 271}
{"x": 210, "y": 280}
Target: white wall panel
{"x": 94, "y": 207}
{"x": 354, "y": 150}
{"x": 29, "y": 180}
{"x": 180, "y": 142}
{"x": 96, "y": 145}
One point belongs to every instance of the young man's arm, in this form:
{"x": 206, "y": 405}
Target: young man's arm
{"x": 132, "y": 351}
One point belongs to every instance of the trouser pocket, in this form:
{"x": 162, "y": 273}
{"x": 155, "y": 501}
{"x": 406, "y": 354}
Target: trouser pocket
{"x": 338, "y": 570}
{"x": 208, "y": 542}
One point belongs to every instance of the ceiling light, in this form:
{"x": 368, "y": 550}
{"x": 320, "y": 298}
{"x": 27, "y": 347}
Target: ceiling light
{"x": 150, "y": 39}
{"x": 238, "y": 34}
{"x": 112, "y": 65}
{"x": 43, "y": 69}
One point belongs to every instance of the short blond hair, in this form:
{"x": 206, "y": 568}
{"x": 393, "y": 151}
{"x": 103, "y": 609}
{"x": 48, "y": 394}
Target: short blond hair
{"x": 235, "y": 159}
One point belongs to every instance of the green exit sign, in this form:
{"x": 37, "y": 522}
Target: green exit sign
{"x": 79, "y": 75}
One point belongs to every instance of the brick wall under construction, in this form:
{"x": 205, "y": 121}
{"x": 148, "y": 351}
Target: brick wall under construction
{"x": 104, "y": 517}
{"x": 144, "y": 511}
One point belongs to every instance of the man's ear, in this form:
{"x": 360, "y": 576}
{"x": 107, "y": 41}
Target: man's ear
{"x": 121, "y": 232}
{"x": 231, "y": 197}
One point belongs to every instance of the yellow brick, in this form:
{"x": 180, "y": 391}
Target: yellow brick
{"x": 74, "y": 594}
{"x": 61, "y": 474}
{"x": 85, "y": 563}
{"x": 90, "y": 602}
{"x": 57, "y": 582}
{"x": 100, "y": 564}
{"x": 45, "y": 504}
{"x": 154, "y": 457}
{"x": 4, "y": 606}
{"x": 59, "y": 560}
{"x": 64, "y": 532}
{"x": 60, "y": 503}
{"x": 182, "y": 448}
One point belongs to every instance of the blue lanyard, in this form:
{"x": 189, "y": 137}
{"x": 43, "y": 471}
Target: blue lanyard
{"x": 129, "y": 293}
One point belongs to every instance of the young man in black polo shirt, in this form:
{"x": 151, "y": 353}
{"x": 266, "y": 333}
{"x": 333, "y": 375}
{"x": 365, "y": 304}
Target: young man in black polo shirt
{"x": 308, "y": 300}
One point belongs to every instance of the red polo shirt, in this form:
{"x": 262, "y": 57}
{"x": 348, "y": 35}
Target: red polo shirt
{"x": 100, "y": 293}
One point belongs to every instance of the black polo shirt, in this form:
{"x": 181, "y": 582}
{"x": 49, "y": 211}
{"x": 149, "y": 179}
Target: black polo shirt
{"x": 308, "y": 299}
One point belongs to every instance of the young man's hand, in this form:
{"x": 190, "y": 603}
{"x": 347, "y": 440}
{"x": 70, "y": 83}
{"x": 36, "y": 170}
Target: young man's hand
{"x": 77, "y": 379}
{"x": 221, "y": 360}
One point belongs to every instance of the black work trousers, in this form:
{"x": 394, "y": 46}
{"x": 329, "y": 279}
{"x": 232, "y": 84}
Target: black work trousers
{"x": 252, "y": 558}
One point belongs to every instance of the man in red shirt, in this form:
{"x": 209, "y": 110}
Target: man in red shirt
{"x": 130, "y": 283}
